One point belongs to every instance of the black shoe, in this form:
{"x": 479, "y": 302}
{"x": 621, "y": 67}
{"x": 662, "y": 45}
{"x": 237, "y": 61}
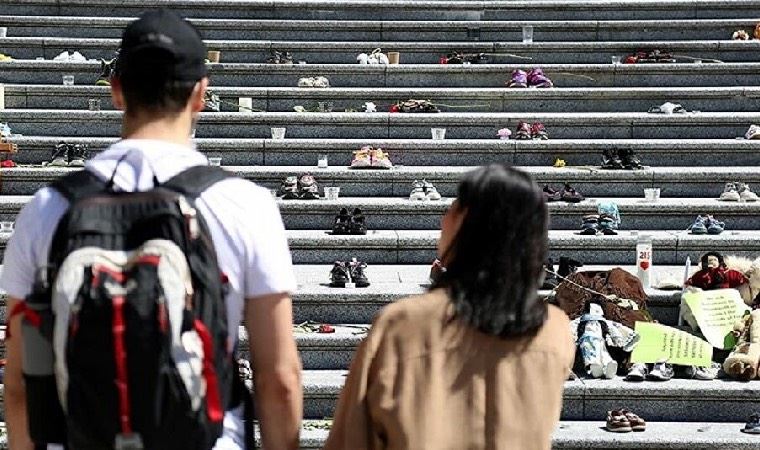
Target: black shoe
{"x": 550, "y": 276}
{"x": 342, "y": 223}
{"x": 357, "y": 226}
{"x": 339, "y": 275}
{"x": 289, "y": 188}
{"x": 358, "y": 277}
{"x": 59, "y": 157}
{"x": 590, "y": 225}
{"x": 77, "y": 155}
{"x": 611, "y": 160}
{"x": 629, "y": 160}
{"x": 568, "y": 266}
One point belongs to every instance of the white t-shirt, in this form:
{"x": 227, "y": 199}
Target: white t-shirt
{"x": 243, "y": 219}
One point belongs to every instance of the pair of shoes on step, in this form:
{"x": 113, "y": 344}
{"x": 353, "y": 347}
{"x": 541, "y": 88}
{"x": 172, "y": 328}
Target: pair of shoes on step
{"x": 567, "y": 266}
{"x": 369, "y": 157}
{"x": 315, "y": 82}
{"x": 660, "y": 371}
{"x": 738, "y": 192}
{"x": 464, "y": 58}
{"x": 535, "y": 79}
{"x": 414, "y": 106}
{"x": 302, "y": 187}
{"x": 653, "y": 56}
{"x": 624, "y": 421}
{"x": 620, "y": 159}
{"x": 346, "y": 224}
{"x": 278, "y": 57}
{"x": 525, "y": 132}
{"x": 707, "y": 224}
{"x": 567, "y": 194}
{"x": 347, "y": 272}
{"x": 68, "y": 155}
{"x": 424, "y": 190}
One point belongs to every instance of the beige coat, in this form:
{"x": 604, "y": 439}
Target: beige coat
{"x": 422, "y": 380}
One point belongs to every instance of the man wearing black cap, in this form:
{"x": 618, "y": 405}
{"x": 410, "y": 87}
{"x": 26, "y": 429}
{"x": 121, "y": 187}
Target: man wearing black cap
{"x": 160, "y": 83}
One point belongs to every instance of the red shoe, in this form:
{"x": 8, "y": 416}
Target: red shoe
{"x": 523, "y": 131}
{"x": 7, "y": 163}
{"x": 537, "y": 131}
{"x": 326, "y": 329}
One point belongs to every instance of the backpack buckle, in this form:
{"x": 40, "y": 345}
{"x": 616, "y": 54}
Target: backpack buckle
{"x": 131, "y": 441}
{"x": 191, "y": 217}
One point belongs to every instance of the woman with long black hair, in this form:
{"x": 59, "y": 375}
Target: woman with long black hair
{"x": 479, "y": 361}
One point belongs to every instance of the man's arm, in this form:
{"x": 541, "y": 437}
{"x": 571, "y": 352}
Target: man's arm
{"x": 14, "y": 390}
{"x": 276, "y": 370}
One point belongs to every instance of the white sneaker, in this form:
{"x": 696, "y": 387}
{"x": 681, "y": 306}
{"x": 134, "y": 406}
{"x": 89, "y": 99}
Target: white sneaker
{"x": 730, "y": 194}
{"x": 77, "y": 57}
{"x": 431, "y": 193}
{"x": 745, "y": 194}
{"x": 753, "y": 132}
{"x": 418, "y": 191}
{"x": 62, "y": 57}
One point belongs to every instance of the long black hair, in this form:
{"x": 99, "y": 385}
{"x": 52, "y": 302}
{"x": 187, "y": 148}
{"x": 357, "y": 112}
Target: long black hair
{"x": 494, "y": 264}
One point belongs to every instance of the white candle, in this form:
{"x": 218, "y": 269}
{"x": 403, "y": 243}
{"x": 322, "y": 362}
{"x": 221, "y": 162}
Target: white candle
{"x": 245, "y": 104}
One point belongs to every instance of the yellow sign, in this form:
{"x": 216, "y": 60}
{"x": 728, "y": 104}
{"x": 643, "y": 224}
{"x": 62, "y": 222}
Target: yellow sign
{"x": 716, "y": 312}
{"x": 662, "y": 343}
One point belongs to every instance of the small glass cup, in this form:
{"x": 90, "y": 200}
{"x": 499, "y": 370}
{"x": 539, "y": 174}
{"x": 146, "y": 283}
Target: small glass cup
{"x": 93, "y": 104}
{"x": 322, "y": 106}
{"x": 332, "y": 193}
{"x": 68, "y": 80}
{"x": 3, "y": 32}
{"x": 439, "y": 134}
{"x": 652, "y": 194}
{"x": 322, "y": 162}
{"x": 697, "y": 61}
{"x": 615, "y": 59}
{"x": 278, "y": 133}
{"x": 215, "y": 161}
{"x": 527, "y": 34}
{"x": 6, "y": 227}
{"x": 214, "y": 55}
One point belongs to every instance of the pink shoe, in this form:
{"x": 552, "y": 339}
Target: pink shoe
{"x": 519, "y": 79}
{"x": 536, "y": 78}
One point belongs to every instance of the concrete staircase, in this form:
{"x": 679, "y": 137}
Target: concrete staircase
{"x": 595, "y": 106}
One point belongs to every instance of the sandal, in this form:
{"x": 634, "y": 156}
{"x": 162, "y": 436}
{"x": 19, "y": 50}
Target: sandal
{"x": 617, "y": 422}
{"x": 637, "y": 423}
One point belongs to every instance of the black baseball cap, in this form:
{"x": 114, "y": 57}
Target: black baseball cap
{"x": 161, "y": 45}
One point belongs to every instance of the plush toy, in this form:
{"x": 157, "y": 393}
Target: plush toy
{"x": 593, "y": 334}
{"x": 742, "y": 363}
{"x": 374, "y": 58}
{"x": 750, "y": 292}
{"x": 715, "y": 274}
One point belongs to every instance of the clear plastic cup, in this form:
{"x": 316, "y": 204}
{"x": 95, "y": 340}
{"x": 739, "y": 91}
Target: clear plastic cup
{"x": 332, "y": 192}
{"x": 215, "y": 161}
{"x": 68, "y": 80}
{"x": 278, "y": 133}
{"x": 615, "y": 59}
{"x": 527, "y": 34}
{"x": 93, "y": 104}
{"x": 439, "y": 134}
{"x": 3, "y": 32}
{"x": 322, "y": 162}
{"x": 652, "y": 194}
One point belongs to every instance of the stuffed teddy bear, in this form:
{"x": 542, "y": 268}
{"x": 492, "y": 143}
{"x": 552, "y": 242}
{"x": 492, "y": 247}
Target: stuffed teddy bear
{"x": 750, "y": 292}
{"x": 742, "y": 363}
{"x": 715, "y": 274}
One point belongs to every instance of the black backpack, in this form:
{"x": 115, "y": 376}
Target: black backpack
{"x": 125, "y": 333}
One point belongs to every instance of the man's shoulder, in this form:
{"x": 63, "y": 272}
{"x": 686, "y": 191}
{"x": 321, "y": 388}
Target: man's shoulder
{"x": 238, "y": 191}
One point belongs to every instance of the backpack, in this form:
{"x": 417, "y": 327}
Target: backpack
{"x": 131, "y": 313}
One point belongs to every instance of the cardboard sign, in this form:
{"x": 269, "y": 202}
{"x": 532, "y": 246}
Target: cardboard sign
{"x": 662, "y": 343}
{"x": 716, "y": 312}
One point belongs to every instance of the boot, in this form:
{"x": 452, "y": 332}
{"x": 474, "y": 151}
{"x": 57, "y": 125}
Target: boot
{"x": 611, "y": 160}
{"x": 568, "y": 266}
{"x": 742, "y": 363}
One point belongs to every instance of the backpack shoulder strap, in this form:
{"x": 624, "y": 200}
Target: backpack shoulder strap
{"x": 192, "y": 182}
{"x": 78, "y": 185}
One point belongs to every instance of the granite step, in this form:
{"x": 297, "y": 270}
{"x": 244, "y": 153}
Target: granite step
{"x": 419, "y": 246}
{"x": 383, "y": 213}
{"x": 393, "y": 30}
{"x": 675, "y": 400}
{"x": 399, "y": 9}
{"x": 590, "y": 435}
{"x": 344, "y": 52}
{"x": 419, "y": 75}
{"x": 315, "y": 301}
{"x": 677, "y": 182}
{"x": 284, "y": 99}
{"x": 451, "y": 152}
{"x": 702, "y": 125}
